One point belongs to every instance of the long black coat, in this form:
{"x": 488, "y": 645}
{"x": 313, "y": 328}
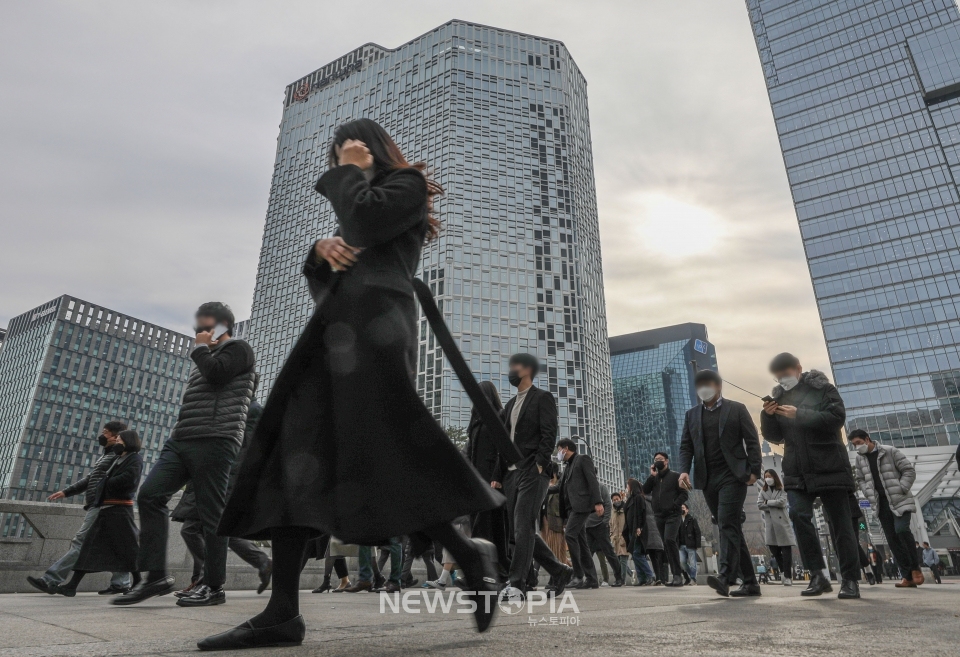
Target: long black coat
{"x": 113, "y": 542}
{"x": 345, "y": 445}
{"x": 634, "y": 517}
{"x": 814, "y": 458}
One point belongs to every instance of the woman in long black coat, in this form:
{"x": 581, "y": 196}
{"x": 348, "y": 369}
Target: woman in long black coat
{"x": 113, "y": 542}
{"x": 635, "y": 522}
{"x": 345, "y": 445}
{"x": 483, "y": 455}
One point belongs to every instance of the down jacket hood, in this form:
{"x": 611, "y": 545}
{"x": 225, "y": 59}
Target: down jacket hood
{"x": 814, "y": 378}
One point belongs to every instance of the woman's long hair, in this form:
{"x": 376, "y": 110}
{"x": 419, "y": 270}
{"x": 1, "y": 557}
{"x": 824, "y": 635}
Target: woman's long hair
{"x": 634, "y": 487}
{"x": 386, "y": 157}
{"x": 490, "y": 392}
{"x": 777, "y": 484}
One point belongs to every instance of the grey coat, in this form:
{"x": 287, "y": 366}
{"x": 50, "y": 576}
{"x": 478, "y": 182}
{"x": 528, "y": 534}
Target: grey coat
{"x": 777, "y": 529}
{"x": 898, "y": 475}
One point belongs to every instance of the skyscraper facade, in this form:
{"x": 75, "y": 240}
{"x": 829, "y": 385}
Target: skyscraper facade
{"x": 501, "y": 119}
{"x": 865, "y": 100}
{"x": 653, "y": 388}
{"x": 66, "y": 368}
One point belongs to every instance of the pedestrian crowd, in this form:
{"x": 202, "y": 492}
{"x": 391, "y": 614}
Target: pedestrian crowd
{"x": 344, "y": 459}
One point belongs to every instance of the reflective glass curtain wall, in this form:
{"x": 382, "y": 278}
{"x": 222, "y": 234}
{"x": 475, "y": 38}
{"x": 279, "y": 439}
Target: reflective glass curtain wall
{"x": 864, "y": 96}
{"x": 653, "y": 389}
{"x": 501, "y": 118}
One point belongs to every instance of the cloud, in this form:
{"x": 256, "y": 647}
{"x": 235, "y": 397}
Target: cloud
{"x": 137, "y": 143}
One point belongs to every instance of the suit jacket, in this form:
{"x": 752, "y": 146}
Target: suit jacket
{"x": 739, "y": 442}
{"x": 579, "y": 487}
{"x": 536, "y": 432}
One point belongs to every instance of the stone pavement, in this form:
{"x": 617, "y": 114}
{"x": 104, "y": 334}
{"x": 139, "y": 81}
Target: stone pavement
{"x": 642, "y": 621}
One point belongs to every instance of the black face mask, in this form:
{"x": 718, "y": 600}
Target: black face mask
{"x": 514, "y": 378}
{"x": 659, "y": 465}
{"x": 617, "y": 505}
{"x": 118, "y": 448}
{"x": 102, "y": 440}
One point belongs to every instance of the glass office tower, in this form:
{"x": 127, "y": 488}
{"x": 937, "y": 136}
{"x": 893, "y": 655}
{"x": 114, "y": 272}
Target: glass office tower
{"x": 501, "y": 119}
{"x": 865, "y": 100}
{"x": 653, "y": 389}
{"x": 68, "y": 367}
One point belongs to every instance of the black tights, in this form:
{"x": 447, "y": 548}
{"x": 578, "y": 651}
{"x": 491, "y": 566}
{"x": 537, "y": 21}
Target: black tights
{"x": 338, "y": 563}
{"x": 288, "y": 548}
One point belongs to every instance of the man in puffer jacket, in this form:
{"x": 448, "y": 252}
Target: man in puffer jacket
{"x": 805, "y": 415}
{"x": 891, "y": 499}
{"x": 201, "y": 450}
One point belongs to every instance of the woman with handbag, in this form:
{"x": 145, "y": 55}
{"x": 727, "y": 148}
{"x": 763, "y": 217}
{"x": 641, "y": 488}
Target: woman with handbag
{"x": 112, "y": 544}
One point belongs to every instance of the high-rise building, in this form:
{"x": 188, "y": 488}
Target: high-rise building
{"x": 501, "y": 118}
{"x": 865, "y": 101}
{"x": 653, "y": 389}
{"x": 66, "y": 368}
{"x": 241, "y": 330}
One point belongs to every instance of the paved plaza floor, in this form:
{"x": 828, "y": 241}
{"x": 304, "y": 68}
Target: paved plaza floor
{"x": 626, "y": 621}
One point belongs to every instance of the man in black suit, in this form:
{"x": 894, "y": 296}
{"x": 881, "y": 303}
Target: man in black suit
{"x": 531, "y": 420}
{"x": 720, "y": 440}
{"x": 580, "y": 496}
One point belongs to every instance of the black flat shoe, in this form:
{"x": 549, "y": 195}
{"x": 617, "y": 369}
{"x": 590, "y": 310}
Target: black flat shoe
{"x": 746, "y": 591}
{"x": 718, "y": 585}
{"x": 66, "y": 591}
{"x": 818, "y": 586}
{"x": 484, "y": 580}
{"x": 113, "y": 590}
{"x": 849, "y": 590}
{"x": 144, "y": 591}
{"x": 290, "y": 633}
{"x": 42, "y": 585}
{"x": 204, "y": 597}
{"x": 562, "y": 580}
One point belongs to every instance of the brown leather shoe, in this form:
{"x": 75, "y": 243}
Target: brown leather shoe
{"x": 917, "y": 577}
{"x": 905, "y": 584}
{"x": 362, "y": 585}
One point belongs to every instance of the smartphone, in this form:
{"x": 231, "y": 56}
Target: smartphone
{"x": 219, "y": 330}
{"x": 767, "y": 398}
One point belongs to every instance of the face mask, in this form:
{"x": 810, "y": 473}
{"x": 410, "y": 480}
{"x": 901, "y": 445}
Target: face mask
{"x": 514, "y": 378}
{"x": 118, "y": 448}
{"x": 659, "y": 465}
{"x": 558, "y": 457}
{"x": 789, "y": 382}
{"x": 617, "y": 505}
{"x": 863, "y": 449}
{"x": 102, "y": 440}
{"x": 769, "y": 481}
{"x": 706, "y": 393}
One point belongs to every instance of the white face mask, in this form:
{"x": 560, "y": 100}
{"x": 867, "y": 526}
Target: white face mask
{"x": 789, "y": 382}
{"x": 863, "y": 449}
{"x": 558, "y": 457}
{"x": 769, "y": 481}
{"x": 706, "y": 393}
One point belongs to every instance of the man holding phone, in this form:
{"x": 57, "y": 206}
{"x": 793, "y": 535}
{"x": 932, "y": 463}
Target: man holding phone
{"x": 201, "y": 449}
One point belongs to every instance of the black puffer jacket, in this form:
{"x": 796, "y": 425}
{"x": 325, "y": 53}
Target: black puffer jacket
{"x": 814, "y": 458}
{"x": 218, "y": 393}
{"x": 88, "y": 485}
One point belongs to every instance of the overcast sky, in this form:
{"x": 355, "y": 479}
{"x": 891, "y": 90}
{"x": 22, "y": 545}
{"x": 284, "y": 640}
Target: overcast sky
{"x": 137, "y": 143}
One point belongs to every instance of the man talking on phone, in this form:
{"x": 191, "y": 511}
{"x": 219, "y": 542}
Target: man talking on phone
{"x": 720, "y": 445}
{"x": 201, "y": 448}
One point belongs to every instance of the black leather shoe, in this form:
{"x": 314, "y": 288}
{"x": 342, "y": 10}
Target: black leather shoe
{"x": 718, "y": 585}
{"x": 324, "y": 586}
{"x": 204, "y": 597}
{"x": 144, "y": 591}
{"x": 43, "y": 585}
{"x": 849, "y": 590}
{"x": 589, "y": 584}
{"x": 66, "y": 591}
{"x": 290, "y": 633}
{"x": 391, "y": 587}
{"x": 483, "y": 583}
{"x": 113, "y": 590}
{"x": 563, "y": 580}
{"x": 575, "y": 583}
{"x": 746, "y": 591}
{"x": 818, "y": 586}
{"x": 265, "y": 576}
{"x": 379, "y": 583}
{"x": 409, "y": 584}
{"x": 617, "y": 584}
